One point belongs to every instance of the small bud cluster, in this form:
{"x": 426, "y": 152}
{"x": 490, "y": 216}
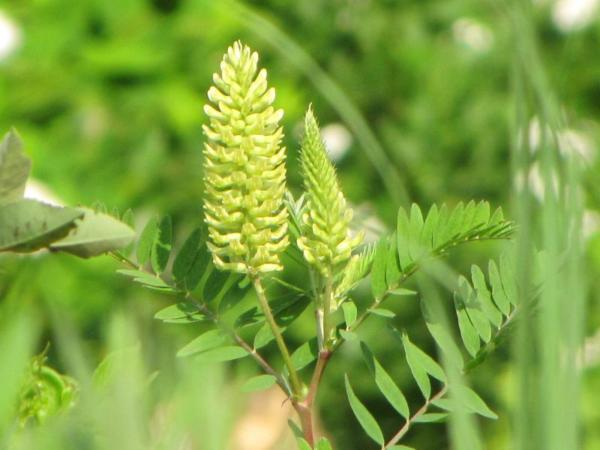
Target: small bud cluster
{"x": 326, "y": 241}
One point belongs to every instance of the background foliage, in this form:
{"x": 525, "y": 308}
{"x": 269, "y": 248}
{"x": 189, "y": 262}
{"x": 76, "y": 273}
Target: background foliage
{"x": 109, "y": 103}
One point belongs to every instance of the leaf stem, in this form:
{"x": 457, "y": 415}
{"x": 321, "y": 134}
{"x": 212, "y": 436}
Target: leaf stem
{"x": 285, "y": 354}
{"x": 400, "y": 434}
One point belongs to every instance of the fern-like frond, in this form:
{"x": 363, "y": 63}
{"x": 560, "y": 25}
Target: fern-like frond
{"x": 419, "y": 237}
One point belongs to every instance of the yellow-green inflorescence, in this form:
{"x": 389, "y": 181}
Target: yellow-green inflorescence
{"x": 326, "y": 241}
{"x": 244, "y": 168}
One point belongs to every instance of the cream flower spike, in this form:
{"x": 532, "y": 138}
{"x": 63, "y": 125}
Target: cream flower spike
{"x": 326, "y": 240}
{"x": 244, "y": 168}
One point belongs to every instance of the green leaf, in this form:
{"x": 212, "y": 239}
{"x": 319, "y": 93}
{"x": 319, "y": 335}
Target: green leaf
{"x": 483, "y": 295}
{"x": 378, "y": 284}
{"x": 400, "y": 292}
{"x": 350, "y": 312}
{"x": 162, "y": 245}
{"x": 259, "y": 383}
{"x": 468, "y": 333}
{"x": 403, "y": 237}
{"x": 222, "y": 354}
{"x": 323, "y": 444}
{"x": 442, "y": 336}
{"x": 400, "y": 447}
{"x": 348, "y": 335}
{"x": 302, "y": 444}
{"x": 263, "y": 336}
{"x": 421, "y": 358}
{"x": 431, "y": 223}
{"x": 305, "y": 354}
{"x": 206, "y": 341}
{"x": 94, "y": 235}
{"x": 507, "y": 273}
{"x": 186, "y": 257}
{"x": 385, "y": 383}
{"x": 416, "y": 226}
{"x": 431, "y": 418}
{"x": 362, "y": 414}
{"x": 416, "y": 368}
{"x": 14, "y": 168}
{"x": 145, "y": 278}
{"x": 498, "y": 293}
{"x": 469, "y": 398}
{"x": 146, "y": 240}
{"x": 28, "y": 225}
{"x": 382, "y": 312}
{"x": 392, "y": 265}
{"x": 180, "y": 313}
{"x": 474, "y": 309}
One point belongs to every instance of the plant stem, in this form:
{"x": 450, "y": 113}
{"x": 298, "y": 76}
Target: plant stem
{"x": 400, "y": 434}
{"x": 264, "y": 304}
{"x": 327, "y": 311}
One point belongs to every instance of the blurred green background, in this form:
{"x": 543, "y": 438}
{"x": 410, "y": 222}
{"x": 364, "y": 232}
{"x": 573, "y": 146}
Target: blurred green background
{"x": 416, "y": 102}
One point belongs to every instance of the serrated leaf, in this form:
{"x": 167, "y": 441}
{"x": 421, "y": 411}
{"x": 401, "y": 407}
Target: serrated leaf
{"x": 350, "y": 313}
{"x": 483, "y": 295}
{"x": 418, "y": 357}
{"x": 14, "y": 168}
{"x": 385, "y": 383}
{"x": 498, "y": 293}
{"x": 146, "y": 240}
{"x": 382, "y": 312}
{"x": 222, "y": 354}
{"x": 180, "y": 313}
{"x": 184, "y": 260}
{"x": 305, "y": 354}
{"x": 204, "y": 342}
{"x": 378, "y": 284}
{"x": 431, "y": 418}
{"x": 94, "y": 235}
{"x": 471, "y": 400}
{"x": 27, "y": 225}
{"x": 162, "y": 245}
{"x": 259, "y": 383}
{"x": 362, "y": 414}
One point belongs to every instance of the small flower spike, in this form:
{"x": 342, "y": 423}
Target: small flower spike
{"x": 326, "y": 240}
{"x": 244, "y": 168}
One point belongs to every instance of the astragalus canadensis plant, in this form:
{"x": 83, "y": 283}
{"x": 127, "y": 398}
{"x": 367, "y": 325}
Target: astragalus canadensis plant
{"x": 251, "y": 220}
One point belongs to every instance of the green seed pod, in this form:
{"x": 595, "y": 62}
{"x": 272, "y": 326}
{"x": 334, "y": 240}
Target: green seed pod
{"x": 244, "y": 168}
{"x": 326, "y": 240}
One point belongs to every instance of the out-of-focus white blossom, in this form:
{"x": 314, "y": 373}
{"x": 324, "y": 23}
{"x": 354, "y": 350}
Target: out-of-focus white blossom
{"x": 337, "y": 140}
{"x": 473, "y": 34}
{"x": 38, "y": 191}
{"x": 10, "y": 35}
{"x": 573, "y": 15}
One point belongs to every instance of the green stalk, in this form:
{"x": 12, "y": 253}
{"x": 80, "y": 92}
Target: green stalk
{"x": 287, "y": 359}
